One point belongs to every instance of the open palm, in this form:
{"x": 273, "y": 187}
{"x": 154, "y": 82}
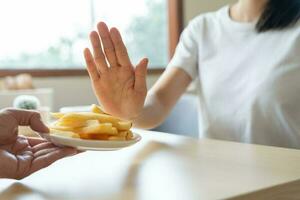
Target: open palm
{"x": 21, "y": 156}
{"x": 28, "y": 155}
{"x": 119, "y": 86}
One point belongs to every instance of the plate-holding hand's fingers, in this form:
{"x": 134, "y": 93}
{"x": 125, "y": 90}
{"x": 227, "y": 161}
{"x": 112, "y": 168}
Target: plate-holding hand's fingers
{"x": 45, "y": 151}
{"x": 42, "y": 146}
{"x": 98, "y": 53}
{"x": 91, "y": 65}
{"x": 140, "y": 76}
{"x": 29, "y": 118}
{"x": 107, "y": 44}
{"x": 36, "y": 141}
{"x": 120, "y": 48}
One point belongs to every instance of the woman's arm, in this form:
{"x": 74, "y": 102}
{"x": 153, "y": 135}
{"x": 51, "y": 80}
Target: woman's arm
{"x": 162, "y": 97}
{"x": 121, "y": 87}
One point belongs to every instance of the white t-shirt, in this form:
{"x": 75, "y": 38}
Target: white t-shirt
{"x": 249, "y": 82}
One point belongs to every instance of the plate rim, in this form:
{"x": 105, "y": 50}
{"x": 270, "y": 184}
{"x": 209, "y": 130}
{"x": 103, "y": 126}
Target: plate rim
{"x": 92, "y": 144}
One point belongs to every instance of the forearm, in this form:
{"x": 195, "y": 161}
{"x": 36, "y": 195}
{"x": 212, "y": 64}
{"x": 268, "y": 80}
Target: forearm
{"x": 153, "y": 113}
{"x": 162, "y": 97}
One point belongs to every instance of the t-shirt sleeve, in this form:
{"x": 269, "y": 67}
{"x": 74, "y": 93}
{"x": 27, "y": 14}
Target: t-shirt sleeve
{"x": 186, "y": 53}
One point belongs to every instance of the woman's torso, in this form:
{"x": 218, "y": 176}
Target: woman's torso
{"x": 250, "y": 82}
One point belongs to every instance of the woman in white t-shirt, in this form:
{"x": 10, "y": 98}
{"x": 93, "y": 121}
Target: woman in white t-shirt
{"x": 247, "y": 59}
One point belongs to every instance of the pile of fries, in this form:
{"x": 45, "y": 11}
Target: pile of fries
{"x": 93, "y": 125}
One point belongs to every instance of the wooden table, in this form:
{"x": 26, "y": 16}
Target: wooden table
{"x": 164, "y": 166}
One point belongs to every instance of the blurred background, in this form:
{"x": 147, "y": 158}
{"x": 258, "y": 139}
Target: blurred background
{"x": 42, "y": 42}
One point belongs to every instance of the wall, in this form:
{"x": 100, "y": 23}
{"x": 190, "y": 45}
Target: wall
{"x": 71, "y": 91}
{"x": 193, "y": 8}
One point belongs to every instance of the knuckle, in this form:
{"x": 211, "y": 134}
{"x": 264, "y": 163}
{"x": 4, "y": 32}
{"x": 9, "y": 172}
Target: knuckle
{"x": 119, "y": 44}
{"x": 109, "y": 49}
{"x": 7, "y": 110}
{"x": 36, "y": 114}
{"x": 96, "y": 46}
{"x": 122, "y": 52}
{"x": 99, "y": 58}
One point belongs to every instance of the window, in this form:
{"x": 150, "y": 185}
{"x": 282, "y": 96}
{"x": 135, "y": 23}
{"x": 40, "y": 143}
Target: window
{"x": 51, "y": 34}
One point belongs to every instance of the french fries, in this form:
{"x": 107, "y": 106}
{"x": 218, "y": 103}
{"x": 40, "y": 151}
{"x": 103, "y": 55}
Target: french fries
{"x": 104, "y": 128}
{"x": 97, "y": 109}
{"x": 57, "y": 115}
{"x": 93, "y": 125}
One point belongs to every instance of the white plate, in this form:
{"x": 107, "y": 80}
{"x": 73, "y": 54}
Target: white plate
{"x": 92, "y": 145}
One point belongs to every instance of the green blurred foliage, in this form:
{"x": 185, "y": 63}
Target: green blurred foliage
{"x": 147, "y": 35}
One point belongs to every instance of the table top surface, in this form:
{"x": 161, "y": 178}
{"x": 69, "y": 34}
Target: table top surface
{"x": 165, "y": 166}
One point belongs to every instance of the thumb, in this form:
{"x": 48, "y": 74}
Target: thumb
{"x": 140, "y": 75}
{"x": 29, "y": 118}
{"x": 37, "y": 124}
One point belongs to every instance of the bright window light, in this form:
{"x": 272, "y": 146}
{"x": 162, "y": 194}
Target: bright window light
{"x": 51, "y": 34}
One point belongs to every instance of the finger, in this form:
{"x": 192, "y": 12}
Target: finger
{"x": 35, "y": 141}
{"x": 91, "y": 66}
{"x": 47, "y": 159}
{"x": 98, "y": 53}
{"x": 107, "y": 44}
{"x": 28, "y": 118}
{"x": 41, "y": 146}
{"x": 120, "y": 47}
{"x": 20, "y": 145}
{"x": 140, "y": 76}
{"x": 45, "y": 151}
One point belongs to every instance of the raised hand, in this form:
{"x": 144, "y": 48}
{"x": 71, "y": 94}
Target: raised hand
{"x": 119, "y": 86}
{"x": 21, "y": 156}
